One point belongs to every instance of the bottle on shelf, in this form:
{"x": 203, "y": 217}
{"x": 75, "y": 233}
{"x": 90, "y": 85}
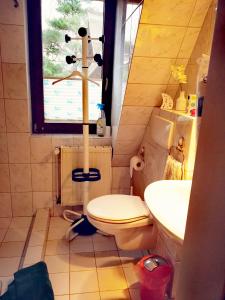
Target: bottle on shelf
{"x": 101, "y": 122}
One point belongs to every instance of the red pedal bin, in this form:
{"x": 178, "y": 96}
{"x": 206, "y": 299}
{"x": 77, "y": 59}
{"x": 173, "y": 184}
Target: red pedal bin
{"x": 155, "y": 274}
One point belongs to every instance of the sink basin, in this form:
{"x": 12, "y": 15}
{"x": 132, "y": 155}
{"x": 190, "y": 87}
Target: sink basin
{"x": 168, "y": 202}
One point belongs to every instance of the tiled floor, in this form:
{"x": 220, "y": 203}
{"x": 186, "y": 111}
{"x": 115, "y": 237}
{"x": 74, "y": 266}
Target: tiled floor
{"x": 90, "y": 268}
{"x": 13, "y": 234}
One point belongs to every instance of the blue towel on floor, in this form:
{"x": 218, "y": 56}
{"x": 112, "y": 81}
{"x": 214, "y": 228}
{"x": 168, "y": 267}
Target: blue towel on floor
{"x": 30, "y": 283}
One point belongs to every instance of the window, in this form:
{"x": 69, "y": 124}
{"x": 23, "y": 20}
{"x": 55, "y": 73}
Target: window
{"x": 58, "y": 108}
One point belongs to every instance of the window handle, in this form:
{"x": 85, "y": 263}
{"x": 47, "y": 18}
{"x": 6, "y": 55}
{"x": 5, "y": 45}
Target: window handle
{"x": 106, "y": 83}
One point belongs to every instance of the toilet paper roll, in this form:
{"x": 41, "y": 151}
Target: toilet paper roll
{"x": 137, "y": 164}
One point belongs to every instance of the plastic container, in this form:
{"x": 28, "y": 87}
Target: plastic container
{"x": 155, "y": 274}
{"x": 192, "y": 103}
{"x": 101, "y": 122}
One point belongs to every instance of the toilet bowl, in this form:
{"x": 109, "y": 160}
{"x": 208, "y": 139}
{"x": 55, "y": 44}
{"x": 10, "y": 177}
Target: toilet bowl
{"x": 126, "y": 217}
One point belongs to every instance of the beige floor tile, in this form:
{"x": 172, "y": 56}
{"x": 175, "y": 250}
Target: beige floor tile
{"x": 81, "y": 245}
{"x": 101, "y": 238}
{"x": 111, "y": 279}
{"x": 107, "y": 259}
{"x": 82, "y": 261}
{"x": 60, "y": 283}
{"x": 41, "y": 223}
{"x": 5, "y": 222}
{"x": 57, "y": 247}
{"x": 135, "y": 294}
{"x": 4, "y": 282}
{"x": 85, "y": 296}
{"x": 33, "y": 255}
{"x": 56, "y": 233}
{"x": 57, "y": 263}
{"x": 2, "y": 233}
{"x": 131, "y": 278}
{"x": 20, "y": 222}
{"x": 104, "y": 243}
{"x": 37, "y": 238}
{"x": 59, "y": 222}
{"x": 115, "y": 295}
{"x": 129, "y": 258}
{"x": 9, "y": 266}
{"x": 83, "y": 281}
{"x": 64, "y": 297}
{"x": 11, "y": 249}
{"x": 16, "y": 235}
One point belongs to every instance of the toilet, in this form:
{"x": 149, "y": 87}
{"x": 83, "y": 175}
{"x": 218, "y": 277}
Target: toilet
{"x": 124, "y": 216}
{"x": 127, "y": 217}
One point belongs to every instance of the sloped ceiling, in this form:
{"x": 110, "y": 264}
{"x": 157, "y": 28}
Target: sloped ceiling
{"x": 167, "y": 34}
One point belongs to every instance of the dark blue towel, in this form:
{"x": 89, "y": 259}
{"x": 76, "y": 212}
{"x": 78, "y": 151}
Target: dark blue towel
{"x": 30, "y": 283}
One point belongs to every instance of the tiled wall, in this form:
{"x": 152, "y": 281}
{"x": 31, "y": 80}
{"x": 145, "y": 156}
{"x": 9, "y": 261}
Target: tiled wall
{"x": 167, "y": 33}
{"x": 27, "y": 162}
{"x": 203, "y": 45}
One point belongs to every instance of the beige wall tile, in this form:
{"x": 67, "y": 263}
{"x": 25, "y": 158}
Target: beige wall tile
{"x": 188, "y": 42}
{"x": 4, "y": 178}
{"x": 150, "y": 70}
{"x": 131, "y": 132}
{"x": 3, "y": 148}
{"x": 14, "y": 88}
{"x": 144, "y": 94}
{"x": 41, "y": 149}
{"x": 1, "y": 82}
{"x": 199, "y": 13}
{"x": 158, "y": 40}
{"x": 20, "y": 175}
{"x": 122, "y": 160}
{"x": 19, "y": 147}
{"x": 12, "y": 43}
{"x": 2, "y": 116}
{"x": 42, "y": 200}
{"x": 120, "y": 177}
{"x": 172, "y": 90}
{"x": 11, "y": 15}
{"x": 125, "y": 147}
{"x": 42, "y": 177}
{"x": 22, "y": 204}
{"x": 156, "y": 12}
{"x": 121, "y": 191}
{"x": 135, "y": 115}
{"x": 5, "y": 204}
{"x": 17, "y": 116}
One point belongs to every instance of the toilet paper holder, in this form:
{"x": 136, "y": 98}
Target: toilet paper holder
{"x": 141, "y": 153}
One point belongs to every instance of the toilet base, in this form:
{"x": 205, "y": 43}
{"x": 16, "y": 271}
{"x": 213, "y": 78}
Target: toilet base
{"x": 141, "y": 238}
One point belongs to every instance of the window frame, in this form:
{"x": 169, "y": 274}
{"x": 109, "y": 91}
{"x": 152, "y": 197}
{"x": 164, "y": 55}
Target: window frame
{"x": 35, "y": 61}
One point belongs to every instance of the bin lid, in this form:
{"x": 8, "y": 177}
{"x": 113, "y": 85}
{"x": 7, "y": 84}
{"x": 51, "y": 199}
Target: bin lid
{"x": 153, "y": 262}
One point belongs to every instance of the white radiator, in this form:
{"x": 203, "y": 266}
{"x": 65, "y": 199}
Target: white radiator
{"x": 72, "y": 158}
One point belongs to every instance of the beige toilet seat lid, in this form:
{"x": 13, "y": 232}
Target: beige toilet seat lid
{"x": 117, "y": 208}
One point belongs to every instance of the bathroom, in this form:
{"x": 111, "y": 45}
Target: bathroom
{"x": 158, "y": 34}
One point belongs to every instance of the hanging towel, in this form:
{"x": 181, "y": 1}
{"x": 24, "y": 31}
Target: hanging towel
{"x": 30, "y": 283}
{"x": 173, "y": 169}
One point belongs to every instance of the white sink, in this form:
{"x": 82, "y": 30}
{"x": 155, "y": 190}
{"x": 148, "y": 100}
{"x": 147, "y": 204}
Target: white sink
{"x": 168, "y": 202}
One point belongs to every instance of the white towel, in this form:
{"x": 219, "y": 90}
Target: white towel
{"x": 173, "y": 169}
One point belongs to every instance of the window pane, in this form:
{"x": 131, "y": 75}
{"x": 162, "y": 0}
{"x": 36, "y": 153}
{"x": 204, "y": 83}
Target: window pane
{"x": 63, "y": 101}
